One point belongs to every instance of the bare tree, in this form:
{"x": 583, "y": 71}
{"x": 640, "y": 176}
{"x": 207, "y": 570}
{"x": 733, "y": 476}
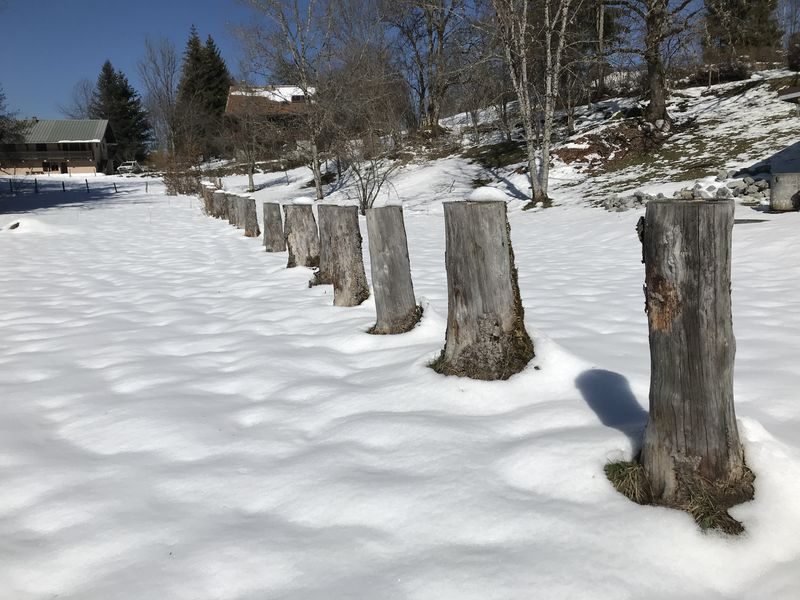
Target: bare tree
{"x": 432, "y": 38}
{"x": 518, "y": 34}
{"x": 159, "y": 70}
{"x": 80, "y": 101}
{"x": 295, "y": 42}
{"x": 657, "y": 22}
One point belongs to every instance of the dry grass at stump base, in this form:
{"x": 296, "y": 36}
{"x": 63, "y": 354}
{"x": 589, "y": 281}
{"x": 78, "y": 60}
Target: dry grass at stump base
{"x": 707, "y": 502}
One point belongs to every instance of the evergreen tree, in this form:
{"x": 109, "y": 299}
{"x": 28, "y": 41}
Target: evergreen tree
{"x": 739, "y": 28}
{"x": 202, "y": 96}
{"x": 793, "y": 52}
{"x": 115, "y": 99}
{"x": 10, "y": 128}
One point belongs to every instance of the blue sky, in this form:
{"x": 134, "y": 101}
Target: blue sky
{"x": 47, "y": 46}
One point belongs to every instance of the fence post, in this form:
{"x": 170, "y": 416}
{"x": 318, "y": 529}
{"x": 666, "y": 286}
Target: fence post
{"x": 87, "y": 185}
{"x": 219, "y": 204}
{"x": 300, "y": 232}
{"x": 273, "y": 228}
{"x": 324, "y": 274}
{"x": 396, "y": 307}
{"x": 486, "y": 336}
{"x": 691, "y": 443}
{"x": 115, "y": 187}
{"x": 250, "y": 218}
{"x": 63, "y": 187}
{"x": 35, "y": 186}
{"x": 348, "y": 277}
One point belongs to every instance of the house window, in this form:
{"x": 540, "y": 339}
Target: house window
{"x": 41, "y": 147}
{"x": 298, "y": 98}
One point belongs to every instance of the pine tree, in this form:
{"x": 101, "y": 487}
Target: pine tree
{"x": 10, "y": 127}
{"x": 202, "y": 96}
{"x": 115, "y": 99}
{"x": 793, "y": 52}
{"x": 217, "y": 79}
{"x": 741, "y": 28}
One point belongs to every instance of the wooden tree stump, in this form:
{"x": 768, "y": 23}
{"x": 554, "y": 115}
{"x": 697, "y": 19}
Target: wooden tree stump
{"x": 486, "y": 336}
{"x": 250, "y": 218}
{"x": 231, "y": 207}
{"x": 691, "y": 443}
{"x": 302, "y": 239}
{"x": 324, "y": 275}
{"x": 207, "y": 193}
{"x": 349, "y": 278}
{"x": 273, "y": 228}
{"x": 220, "y": 204}
{"x": 395, "y": 304}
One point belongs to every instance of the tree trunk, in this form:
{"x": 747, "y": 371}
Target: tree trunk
{"x": 315, "y": 168}
{"x": 250, "y": 218}
{"x": 691, "y": 442}
{"x": 251, "y": 186}
{"x": 301, "y": 236}
{"x": 395, "y": 304}
{"x": 324, "y": 275}
{"x": 486, "y": 336}
{"x": 349, "y": 279}
{"x": 273, "y": 228}
{"x": 657, "y": 20}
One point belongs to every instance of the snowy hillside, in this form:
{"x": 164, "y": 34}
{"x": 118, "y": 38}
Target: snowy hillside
{"x": 183, "y": 417}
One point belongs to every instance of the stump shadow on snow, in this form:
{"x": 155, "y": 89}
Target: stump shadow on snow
{"x": 609, "y": 395}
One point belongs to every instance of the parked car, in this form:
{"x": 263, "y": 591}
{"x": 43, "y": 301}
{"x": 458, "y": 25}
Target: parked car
{"x": 129, "y": 166}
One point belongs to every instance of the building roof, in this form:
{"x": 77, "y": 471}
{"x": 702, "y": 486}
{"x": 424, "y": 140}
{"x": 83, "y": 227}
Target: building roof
{"x": 65, "y": 130}
{"x": 271, "y": 100}
{"x": 790, "y": 95}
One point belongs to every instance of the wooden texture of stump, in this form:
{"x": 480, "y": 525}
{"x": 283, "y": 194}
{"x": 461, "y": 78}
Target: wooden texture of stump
{"x": 220, "y": 205}
{"x": 300, "y": 232}
{"x": 324, "y": 274}
{"x": 348, "y": 276}
{"x": 207, "y": 193}
{"x": 250, "y": 218}
{"x": 691, "y": 441}
{"x": 231, "y": 209}
{"x": 486, "y": 336}
{"x": 395, "y": 304}
{"x": 273, "y": 228}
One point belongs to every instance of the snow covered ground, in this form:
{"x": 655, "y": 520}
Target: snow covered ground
{"x": 182, "y": 417}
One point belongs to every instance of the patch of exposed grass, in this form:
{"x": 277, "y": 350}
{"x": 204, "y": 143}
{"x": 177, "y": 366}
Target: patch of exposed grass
{"x": 494, "y": 156}
{"x": 706, "y": 502}
{"x": 628, "y": 479}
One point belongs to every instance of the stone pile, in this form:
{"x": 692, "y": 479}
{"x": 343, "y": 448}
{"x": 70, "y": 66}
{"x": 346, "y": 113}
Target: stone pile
{"x": 749, "y": 190}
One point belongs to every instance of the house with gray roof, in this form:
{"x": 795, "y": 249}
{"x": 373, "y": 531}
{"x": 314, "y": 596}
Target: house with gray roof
{"x": 61, "y": 146}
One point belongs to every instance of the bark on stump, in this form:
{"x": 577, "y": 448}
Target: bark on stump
{"x": 207, "y": 193}
{"x": 273, "y": 228}
{"x": 231, "y": 209}
{"x": 396, "y": 307}
{"x": 302, "y": 239}
{"x": 349, "y": 278}
{"x": 691, "y": 444}
{"x": 250, "y": 218}
{"x": 486, "y": 336}
{"x": 324, "y": 275}
{"x": 220, "y": 204}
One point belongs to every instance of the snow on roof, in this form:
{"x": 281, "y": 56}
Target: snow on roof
{"x": 279, "y": 93}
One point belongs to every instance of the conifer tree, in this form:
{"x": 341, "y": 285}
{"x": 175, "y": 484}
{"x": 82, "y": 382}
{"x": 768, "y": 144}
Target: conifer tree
{"x": 741, "y": 28}
{"x": 202, "y": 95}
{"x": 115, "y": 99}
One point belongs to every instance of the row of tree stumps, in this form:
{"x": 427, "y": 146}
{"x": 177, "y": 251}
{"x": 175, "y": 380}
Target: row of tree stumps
{"x": 691, "y": 456}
